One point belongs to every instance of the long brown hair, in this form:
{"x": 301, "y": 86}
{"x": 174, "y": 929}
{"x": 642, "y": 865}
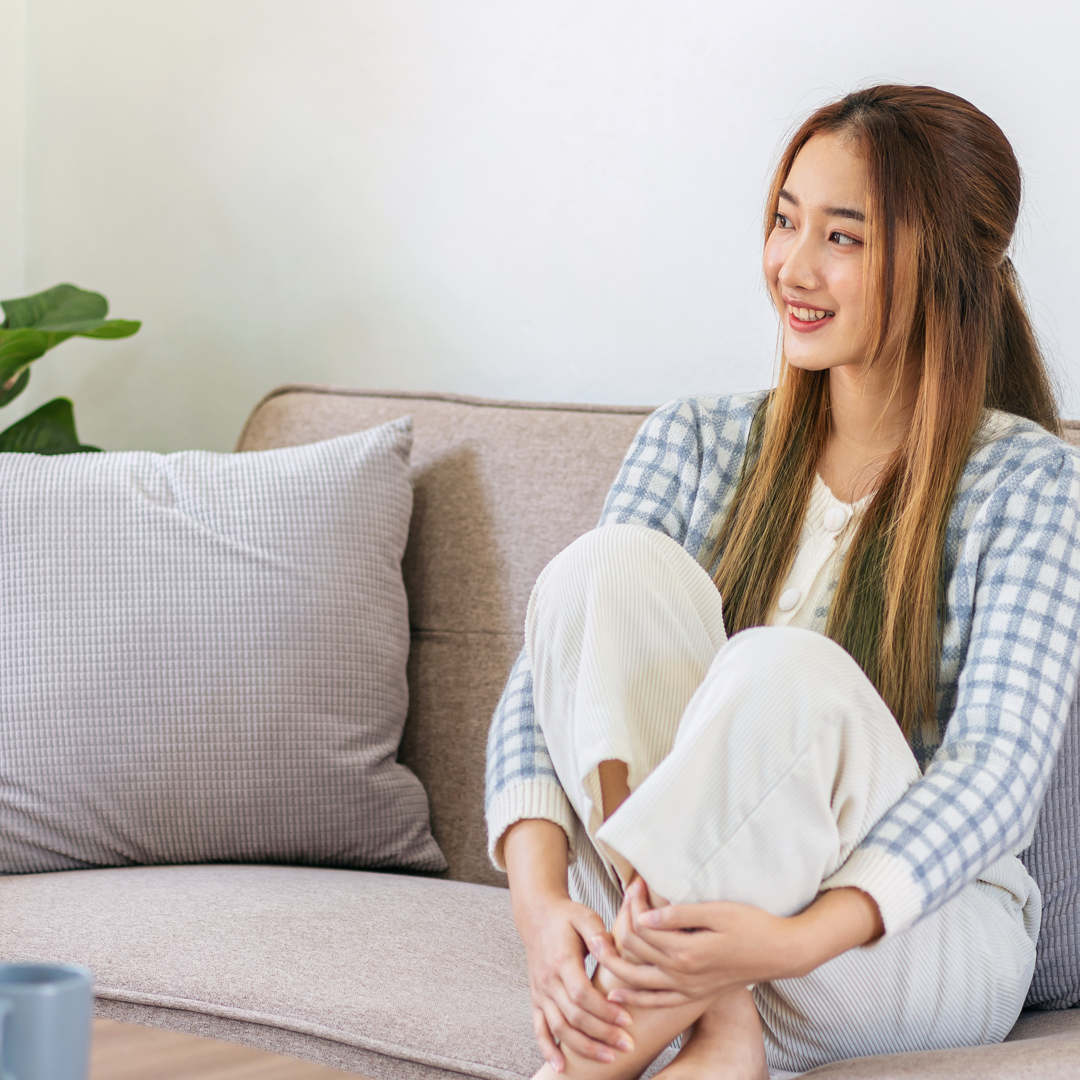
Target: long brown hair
{"x": 944, "y": 194}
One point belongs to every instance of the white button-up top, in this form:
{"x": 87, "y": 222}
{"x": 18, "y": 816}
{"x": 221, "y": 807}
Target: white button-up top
{"x": 827, "y": 532}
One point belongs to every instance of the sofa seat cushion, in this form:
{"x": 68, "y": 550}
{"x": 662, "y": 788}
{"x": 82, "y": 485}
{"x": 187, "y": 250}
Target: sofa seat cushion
{"x": 382, "y": 974}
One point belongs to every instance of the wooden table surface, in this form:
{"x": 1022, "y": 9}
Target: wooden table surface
{"x": 132, "y": 1052}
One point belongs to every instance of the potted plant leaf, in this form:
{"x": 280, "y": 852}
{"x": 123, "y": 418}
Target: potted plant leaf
{"x": 32, "y": 325}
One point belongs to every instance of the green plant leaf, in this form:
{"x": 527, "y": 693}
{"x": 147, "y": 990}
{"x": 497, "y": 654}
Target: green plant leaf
{"x": 35, "y": 324}
{"x": 63, "y": 307}
{"x": 48, "y": 430}
{"x": 18, "y": 348}
{"x": 113, "y": 329}
{"x": 16, "y": 387}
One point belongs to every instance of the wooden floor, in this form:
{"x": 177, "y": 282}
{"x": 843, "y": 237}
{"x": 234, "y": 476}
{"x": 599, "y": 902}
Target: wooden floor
{"x": 132, "y": 1052}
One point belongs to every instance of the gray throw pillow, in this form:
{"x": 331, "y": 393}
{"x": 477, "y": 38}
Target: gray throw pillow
{"x": 202, "y": 658}
{"x": 1053, "y": 860}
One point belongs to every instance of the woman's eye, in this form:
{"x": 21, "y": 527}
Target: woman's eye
{"x": 782, "y": 221}
{"x": 843, "y": 239}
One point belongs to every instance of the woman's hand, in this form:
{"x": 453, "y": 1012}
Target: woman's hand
{"x": 566, "y": 1005}
{"x": 689, "y": 951}
{"x": 567, "y": 1008}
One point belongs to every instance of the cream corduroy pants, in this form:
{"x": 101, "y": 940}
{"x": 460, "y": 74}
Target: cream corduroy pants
{"x": 756, "y": 766}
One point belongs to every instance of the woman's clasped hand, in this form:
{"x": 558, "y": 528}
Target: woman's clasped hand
{"x": 677, "y": 953}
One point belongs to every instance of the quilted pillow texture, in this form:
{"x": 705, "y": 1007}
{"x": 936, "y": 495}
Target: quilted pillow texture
{"x": 1053, "y": 860}
{"x": 202, "y": 658}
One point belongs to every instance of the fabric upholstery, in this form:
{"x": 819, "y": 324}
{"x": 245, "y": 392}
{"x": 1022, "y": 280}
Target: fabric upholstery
{"x": 204, "y": 658}
{"x": 394, "y": 977}
{"x": 1053, "y": 859}
{"x": 485, "y": 522}
{"x": 382, "y": 974}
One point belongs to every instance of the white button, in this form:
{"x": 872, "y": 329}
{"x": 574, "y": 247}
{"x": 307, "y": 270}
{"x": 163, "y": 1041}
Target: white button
{"x": 788, "y": 599}
{"x": 835, "y": 518}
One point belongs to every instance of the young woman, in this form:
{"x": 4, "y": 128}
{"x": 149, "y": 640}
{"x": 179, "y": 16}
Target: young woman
{"x": 802, "y": 690}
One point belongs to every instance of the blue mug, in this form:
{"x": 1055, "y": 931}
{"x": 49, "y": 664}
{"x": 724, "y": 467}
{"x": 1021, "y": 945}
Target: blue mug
{"x": 45, "y": 1012}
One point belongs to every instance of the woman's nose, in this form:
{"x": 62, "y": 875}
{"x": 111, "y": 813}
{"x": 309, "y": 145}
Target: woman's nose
{"x": 800, "y": 267}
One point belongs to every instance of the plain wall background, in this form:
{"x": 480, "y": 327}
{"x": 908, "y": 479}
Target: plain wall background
{"x": 552, "y": 200}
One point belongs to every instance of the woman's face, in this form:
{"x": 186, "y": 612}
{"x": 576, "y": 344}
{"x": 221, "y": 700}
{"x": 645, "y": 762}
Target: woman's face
{"x": 814, "y": 256}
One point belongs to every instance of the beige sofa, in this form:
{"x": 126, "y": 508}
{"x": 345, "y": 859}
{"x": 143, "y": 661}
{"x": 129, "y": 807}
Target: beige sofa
{"x": 384, "y": 974}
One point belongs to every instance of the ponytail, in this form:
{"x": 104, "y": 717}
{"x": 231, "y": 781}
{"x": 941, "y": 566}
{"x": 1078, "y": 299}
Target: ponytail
{"x": 1017, "y": 380}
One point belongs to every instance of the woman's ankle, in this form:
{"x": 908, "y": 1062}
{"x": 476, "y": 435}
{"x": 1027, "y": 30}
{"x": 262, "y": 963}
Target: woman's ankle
{"x": 725, "y": 1044}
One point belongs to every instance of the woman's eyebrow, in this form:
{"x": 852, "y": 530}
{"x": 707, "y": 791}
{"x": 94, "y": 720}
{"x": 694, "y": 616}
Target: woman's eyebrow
{"x": 845, "y": 211}
{"x": 832, "y": 211}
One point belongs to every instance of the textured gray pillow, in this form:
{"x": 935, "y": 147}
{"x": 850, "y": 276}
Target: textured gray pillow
{"x": 202, "y": 658}
{"x": 1053, "y": 860}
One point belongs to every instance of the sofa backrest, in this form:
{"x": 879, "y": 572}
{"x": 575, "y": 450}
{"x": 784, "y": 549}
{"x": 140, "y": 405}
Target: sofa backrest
{"x": 500, "y": 488}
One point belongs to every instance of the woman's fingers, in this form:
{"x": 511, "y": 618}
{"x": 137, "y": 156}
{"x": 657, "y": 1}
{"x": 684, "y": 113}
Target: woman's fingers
{"x": 584, "y": 1022}
{"x": 546, "y": 1041}
{"x": 622, "y": 926}
{"x": 684, "y": 917}
{"x": 649, "y": 999}
{"x": 641, "y": 944}
{"x": 637, "y": 976}
{"x": 652, "y": 949}
{"x": 570, "y": 1036}
{"x": 586, "y": 999}
{"x": 588, "y": 924}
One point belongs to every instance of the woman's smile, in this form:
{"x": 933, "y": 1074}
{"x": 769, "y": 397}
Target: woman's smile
{"x": 805, "y": 319}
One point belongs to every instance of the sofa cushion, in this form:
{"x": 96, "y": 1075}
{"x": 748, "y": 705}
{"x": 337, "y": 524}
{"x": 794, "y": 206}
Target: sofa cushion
{"x": 1053, "y": 860}
{"x": 203, "y": 658}
{"x": 381, "y": 974}
{"x": 399, "y": 978}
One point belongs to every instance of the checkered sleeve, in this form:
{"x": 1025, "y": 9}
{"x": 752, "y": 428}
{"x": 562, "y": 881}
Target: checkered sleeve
{"x": 674, "y": 477}
{"x": 520, "y": 781}
{"x": 1019, "y": 568}
{"x": 658, "y": 483}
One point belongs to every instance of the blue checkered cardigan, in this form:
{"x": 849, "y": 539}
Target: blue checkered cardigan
{"x": 1009, "y": 663}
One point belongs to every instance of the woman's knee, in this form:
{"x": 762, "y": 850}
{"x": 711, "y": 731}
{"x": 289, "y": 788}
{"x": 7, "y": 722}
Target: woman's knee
{"x": 787, "y": 658}
{"x": 797, "y": 676}
{"x": 622, "y": 563}
{"x": 611, "y": 556}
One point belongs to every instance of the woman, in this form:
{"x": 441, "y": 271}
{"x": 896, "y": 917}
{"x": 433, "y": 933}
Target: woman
{"x": 802, "y": 690}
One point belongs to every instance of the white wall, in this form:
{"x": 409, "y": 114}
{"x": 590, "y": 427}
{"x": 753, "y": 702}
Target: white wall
{"x": 12, "y": 148}
{"x": 554, "y": 199}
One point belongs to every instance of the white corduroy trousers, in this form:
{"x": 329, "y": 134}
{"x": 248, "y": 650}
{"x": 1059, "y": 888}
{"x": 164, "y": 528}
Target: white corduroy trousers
{"x": 756, "y": 766}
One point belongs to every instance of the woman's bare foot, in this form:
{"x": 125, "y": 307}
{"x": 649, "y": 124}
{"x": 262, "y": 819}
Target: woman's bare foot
{"x": 726, "y": 1043}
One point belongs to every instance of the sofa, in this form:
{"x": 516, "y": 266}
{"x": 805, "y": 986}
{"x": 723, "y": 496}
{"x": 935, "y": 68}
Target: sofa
{"x": 404, "y": 976}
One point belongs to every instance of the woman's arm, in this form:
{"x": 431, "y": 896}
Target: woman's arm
{"x": 1016, "y": 589}
{"x": 731, "y": 944}
{"x": 566, "y": 1005}
{"x": 521, "y": 783}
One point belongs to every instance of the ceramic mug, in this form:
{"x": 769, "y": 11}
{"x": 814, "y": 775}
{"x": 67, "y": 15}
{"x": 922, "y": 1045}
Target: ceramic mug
{"x": 45, "y": 1014}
